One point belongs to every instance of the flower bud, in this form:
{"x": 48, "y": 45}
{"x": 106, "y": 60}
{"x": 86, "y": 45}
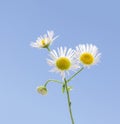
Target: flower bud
{"x": 42, "y": 90}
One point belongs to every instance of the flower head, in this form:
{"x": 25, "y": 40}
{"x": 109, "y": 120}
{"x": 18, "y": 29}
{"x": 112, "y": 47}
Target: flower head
{"x": 42, "y": 90}
{"x": 44, "y": 41}
{"x": 87, "y": 54}
{"x": 63, "y": 61}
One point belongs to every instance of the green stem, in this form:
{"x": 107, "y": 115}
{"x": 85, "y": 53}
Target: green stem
{"x": 56, "y": 81}
{"x": 75, "y": 74}
{"x": 69, "y": 102}
{"x": 48, "y": 48}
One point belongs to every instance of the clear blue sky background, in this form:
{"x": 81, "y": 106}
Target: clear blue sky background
{"x": 96, "y": 93}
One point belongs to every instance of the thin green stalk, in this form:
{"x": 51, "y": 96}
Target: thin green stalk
{"x": 69, "y": 102}
{"x": 75, "y": 74}
{"x": 56, "y": 81}
{"x": 48, "y": 48}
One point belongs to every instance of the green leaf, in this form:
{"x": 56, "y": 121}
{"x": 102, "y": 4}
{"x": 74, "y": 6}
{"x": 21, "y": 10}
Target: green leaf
{"x": 70, "y": 88}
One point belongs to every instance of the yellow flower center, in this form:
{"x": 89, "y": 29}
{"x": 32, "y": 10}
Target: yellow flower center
{"x": 87, "y": 58}
{"x": 43, "y": 42}
{"x": 63, "y": 63}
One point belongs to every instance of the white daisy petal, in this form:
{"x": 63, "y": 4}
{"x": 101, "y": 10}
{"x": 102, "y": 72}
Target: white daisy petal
{"x": 50, "y": 34}
{"x": 64, "y": 51}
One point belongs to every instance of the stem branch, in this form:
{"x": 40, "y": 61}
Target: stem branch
{"x": 51, "y": 80}
{"x": 75, "y": 74}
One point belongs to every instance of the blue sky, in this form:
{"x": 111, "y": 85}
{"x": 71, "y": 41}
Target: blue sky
{"x": 96, "y": 93}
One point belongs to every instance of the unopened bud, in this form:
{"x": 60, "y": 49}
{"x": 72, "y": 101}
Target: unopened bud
{"x": 42, "y": 90}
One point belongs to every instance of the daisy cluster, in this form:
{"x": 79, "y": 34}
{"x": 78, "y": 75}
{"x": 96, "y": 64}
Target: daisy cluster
{"x": 66, "y": 59}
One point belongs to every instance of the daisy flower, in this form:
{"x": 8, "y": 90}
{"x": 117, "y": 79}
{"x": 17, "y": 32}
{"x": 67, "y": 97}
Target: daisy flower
{"x": 44, "y": 41}
{"x": 87, "y": 54}
{"x": 62, "y": 61}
